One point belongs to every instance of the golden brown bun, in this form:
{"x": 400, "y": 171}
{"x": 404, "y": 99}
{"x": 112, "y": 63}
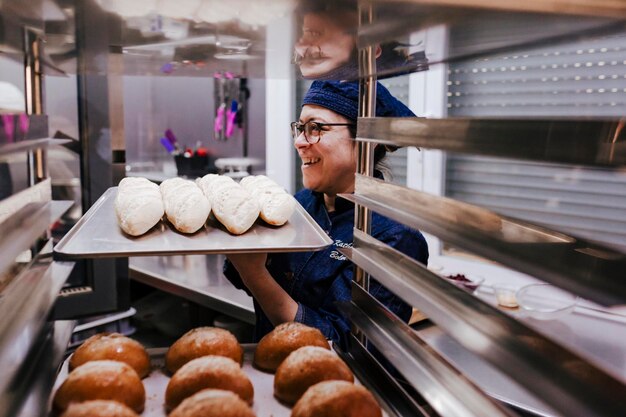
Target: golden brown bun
{"x": 213, "y": 403}
{"x": 115, "y": 347}
{"x": 102, "y": 380}
{"x": 336, "y": 399}
{"x": 208, "y": 372}
{"x": 275, "y": 346}
{"x": 306, "y": 367}
{"x": 99, "y": 408}
{"x": 203, "y": 341}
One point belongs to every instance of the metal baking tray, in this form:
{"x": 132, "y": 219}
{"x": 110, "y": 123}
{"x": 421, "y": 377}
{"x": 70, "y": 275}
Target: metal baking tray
{"x": 97, "y": 235}
{"x": 265, "y": 404}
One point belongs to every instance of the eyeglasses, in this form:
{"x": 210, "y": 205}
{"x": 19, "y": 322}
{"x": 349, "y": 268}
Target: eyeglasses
{"x": 312, "y": 130}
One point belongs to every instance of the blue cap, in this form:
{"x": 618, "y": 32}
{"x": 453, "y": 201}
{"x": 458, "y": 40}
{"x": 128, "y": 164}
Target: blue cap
{"x": 343, "y": 98}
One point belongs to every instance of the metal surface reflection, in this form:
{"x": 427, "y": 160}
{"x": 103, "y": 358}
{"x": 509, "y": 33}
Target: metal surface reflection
{"x": 552, "y": 256}
{"x": 188, "y": 32}
{"x": 327, "y": 45}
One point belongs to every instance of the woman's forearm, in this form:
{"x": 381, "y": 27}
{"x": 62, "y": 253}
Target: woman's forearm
{"x": 277, "y": 305}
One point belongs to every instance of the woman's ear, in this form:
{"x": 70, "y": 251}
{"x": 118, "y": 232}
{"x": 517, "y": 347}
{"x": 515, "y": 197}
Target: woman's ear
{"x": 379, "y": 51}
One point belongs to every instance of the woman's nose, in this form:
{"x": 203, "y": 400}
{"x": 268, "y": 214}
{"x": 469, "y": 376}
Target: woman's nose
{"x": 300, "y": 141}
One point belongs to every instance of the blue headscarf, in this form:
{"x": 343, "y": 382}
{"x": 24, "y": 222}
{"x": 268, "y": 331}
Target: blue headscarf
{"x": 343, "y": 98}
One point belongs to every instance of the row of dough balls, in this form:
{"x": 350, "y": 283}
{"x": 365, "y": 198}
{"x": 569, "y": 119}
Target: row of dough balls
{"x": 207, "y": 377}
{"x": 140, "y": 203}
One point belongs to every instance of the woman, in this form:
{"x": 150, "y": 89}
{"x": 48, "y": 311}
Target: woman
{"x": 307, "y": 286}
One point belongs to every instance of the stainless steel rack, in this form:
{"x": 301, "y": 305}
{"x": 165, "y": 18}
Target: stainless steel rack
{"x": 574, "y": 141}
{"x": 607, "y": 8}
{"x": 424, "y": 368}
{"x": 582, "y": 267}
{"x": 533, "y": 360}
{"x": 565, "y": 380}
{"x": 25, "y": 306}
{"x": 562, "y": 21}
{"x": 29, "y": 145}
{"x": 542, "y": 366}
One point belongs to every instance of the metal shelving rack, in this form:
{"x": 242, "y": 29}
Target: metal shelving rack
{"x": 30, "y": 284}
{"x": 31, "y": 280}
{"x": 31, "y": 345}
{"x": 563, "y": 379}
{"x": 555, "y": 375}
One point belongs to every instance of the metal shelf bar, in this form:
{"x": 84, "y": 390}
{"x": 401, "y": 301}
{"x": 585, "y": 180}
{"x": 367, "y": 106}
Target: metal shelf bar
{"x": 561, "y": 24}
{"x": 27, "y": 145}
{"x": 552, "y": 373}
{"x": 32, "y": 392}
{"x": 25, "y": 306}
{"x": 588, "y": 142}
{"x": 588, "y": 269}
{"x": 608, "y": 8}
{"x": 22, "y": 228}
{"x": 392, "y": 397}
{"x": 448, "y": 392}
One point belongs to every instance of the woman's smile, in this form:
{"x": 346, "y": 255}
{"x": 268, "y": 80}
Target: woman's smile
{"x": 310, "y": 161}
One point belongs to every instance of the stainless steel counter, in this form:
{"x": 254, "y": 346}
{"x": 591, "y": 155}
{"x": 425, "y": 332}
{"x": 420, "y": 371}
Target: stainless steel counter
{"x": 198, "y": 278}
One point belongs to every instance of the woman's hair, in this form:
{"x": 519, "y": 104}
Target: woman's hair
{"x": 380, "y": 157}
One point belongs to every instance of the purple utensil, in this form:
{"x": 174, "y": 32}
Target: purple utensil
{"x": 168, "y": 145}
{"x": 231, "y": 114}
{"x": 171, "y": 137}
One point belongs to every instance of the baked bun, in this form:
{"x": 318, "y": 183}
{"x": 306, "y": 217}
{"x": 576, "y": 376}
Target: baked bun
{"x": 275, "y": 346}
{"x": 275, "y": 203}
{"x": 232, "y": 205}
{"x": 213, "y": 403}
{"x": 115, "y": 347}
{"x": 203, "y": 341}
{"x": 306, "y": 367}
{"x": 208, "y": 372}
{"x": 102, "y": 380}
{"x": 185, "y": 205}
{"x": 336, "y": 399}
{"x": 99, "y": 408}
{"x": 138, "y": 205}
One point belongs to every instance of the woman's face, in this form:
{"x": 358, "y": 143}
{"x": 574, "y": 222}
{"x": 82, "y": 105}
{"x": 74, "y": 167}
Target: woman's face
{"x": 328, "y": 166}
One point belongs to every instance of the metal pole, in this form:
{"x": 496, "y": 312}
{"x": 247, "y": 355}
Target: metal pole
{"x": 33, "y": 91}
{"x": 365, "y": 151}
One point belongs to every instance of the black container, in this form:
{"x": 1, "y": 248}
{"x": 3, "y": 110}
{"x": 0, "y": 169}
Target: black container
{"x": 195, "y": 166}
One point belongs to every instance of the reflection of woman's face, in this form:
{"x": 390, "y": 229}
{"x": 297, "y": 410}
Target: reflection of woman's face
{"x": 325, "y": 43}
{"x": 328, "y": 166}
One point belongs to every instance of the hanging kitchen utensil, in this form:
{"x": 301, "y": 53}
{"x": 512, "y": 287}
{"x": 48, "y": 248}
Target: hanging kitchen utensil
{"x": 220, "y": 106}
{"x": 231, "y": 114}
